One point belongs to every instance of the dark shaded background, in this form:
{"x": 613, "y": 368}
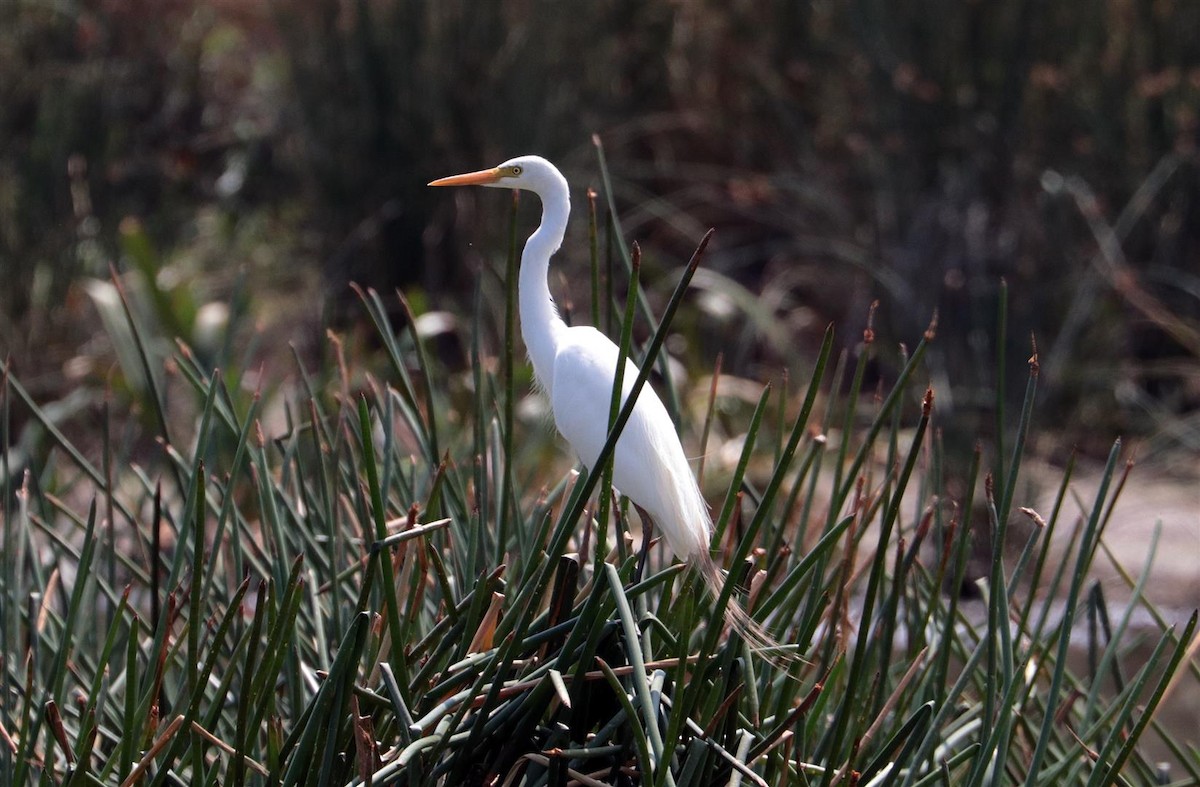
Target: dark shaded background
{"x": 259, "y": 156}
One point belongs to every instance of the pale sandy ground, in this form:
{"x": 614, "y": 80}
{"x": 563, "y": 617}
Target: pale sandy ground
{"x": 1153, "y": 497}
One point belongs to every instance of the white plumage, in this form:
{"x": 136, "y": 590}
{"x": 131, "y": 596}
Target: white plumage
{"x": 649, "y": 465}
{"x": 576, "y": 367}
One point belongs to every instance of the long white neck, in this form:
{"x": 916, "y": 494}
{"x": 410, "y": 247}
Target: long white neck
{"x": 540, "y": 324}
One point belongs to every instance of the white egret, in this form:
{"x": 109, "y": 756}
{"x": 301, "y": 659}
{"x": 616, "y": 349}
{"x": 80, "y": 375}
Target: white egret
{"x": 576, "y": 367}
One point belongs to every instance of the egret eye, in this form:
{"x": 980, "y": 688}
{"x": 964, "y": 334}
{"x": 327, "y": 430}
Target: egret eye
{"x": 516, "y": 170}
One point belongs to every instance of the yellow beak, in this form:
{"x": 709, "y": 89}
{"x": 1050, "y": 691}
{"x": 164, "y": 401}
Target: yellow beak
{"x": 482, "y": 177}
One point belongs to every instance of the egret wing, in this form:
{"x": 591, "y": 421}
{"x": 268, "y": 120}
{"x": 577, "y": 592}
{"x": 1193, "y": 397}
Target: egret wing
{"x": 649, "y": 465}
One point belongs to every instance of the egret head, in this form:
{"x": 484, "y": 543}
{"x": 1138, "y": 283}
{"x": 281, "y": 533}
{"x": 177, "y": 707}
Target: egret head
{"x": 531, "y": 173}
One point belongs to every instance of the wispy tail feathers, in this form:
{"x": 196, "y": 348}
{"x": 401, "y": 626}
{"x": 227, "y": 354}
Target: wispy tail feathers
{"x": 736, "y": 616}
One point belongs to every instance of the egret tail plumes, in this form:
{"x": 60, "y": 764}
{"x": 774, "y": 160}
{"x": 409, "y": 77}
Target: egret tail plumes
{"x": 576, "y": 367}
{"x": 737, "y": 618}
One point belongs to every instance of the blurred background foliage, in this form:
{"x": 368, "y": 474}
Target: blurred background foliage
{"x": 245, "y": 161}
